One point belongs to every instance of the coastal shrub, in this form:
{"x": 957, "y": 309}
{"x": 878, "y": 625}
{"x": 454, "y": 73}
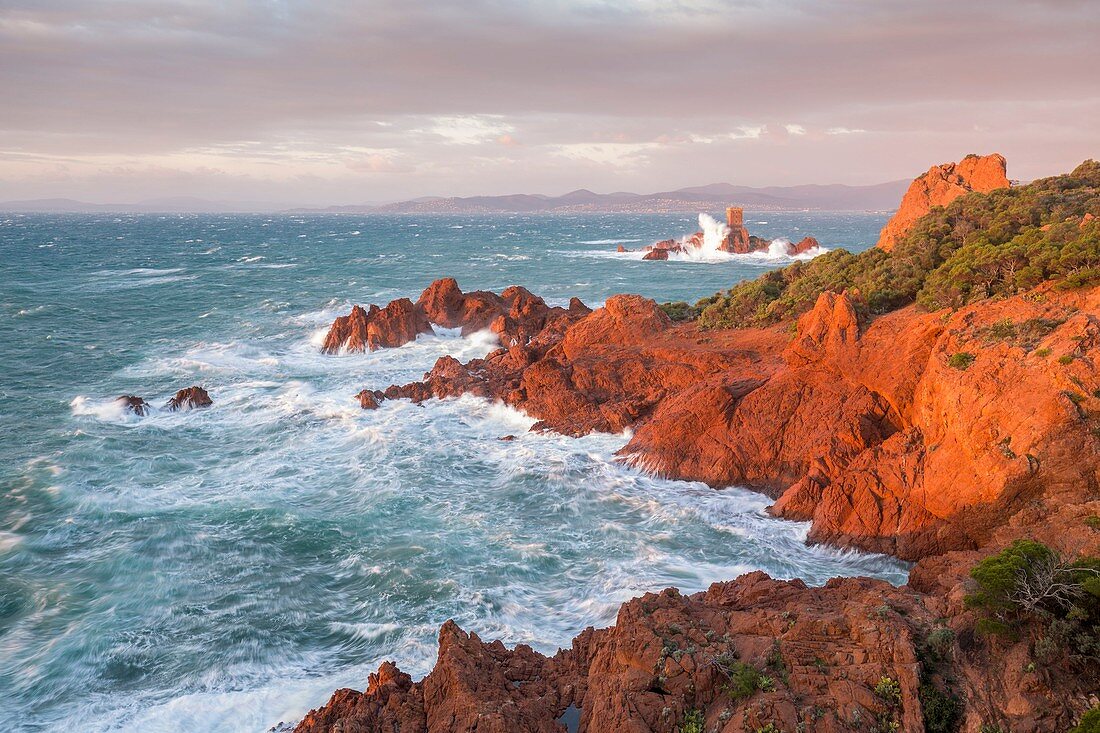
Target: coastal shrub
{"x": 680, "y": 311}
{"x": 1090, "y": 722}
{"x": 744, "y": 680}
{"x": 1042, "y": 353}
{"x": 889, "y": 691}
{"x": 941, "y": 710}
{"x": 940, "y": 644}
{"x": 979, "y": 246}
{"x": 693, "y": 722}
{"x": 1029, "y": 584}
{"x": 961, "y": 360}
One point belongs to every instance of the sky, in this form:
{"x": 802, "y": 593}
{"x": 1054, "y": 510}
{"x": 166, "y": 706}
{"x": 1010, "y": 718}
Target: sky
{"x": 342, "y": 102}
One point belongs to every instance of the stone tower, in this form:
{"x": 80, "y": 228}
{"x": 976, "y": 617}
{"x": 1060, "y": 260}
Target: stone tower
{"x": 737, "y": 241}
{"x": 735, "y": 217}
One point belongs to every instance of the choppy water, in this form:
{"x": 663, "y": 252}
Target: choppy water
{"x": 226, "y": 569}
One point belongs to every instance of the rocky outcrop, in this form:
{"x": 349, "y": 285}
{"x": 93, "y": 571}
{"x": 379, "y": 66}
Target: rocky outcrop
{"x": 887, "y": 437}
{"x": 515, "y": 316}
{"x": 804, "y": 245}
{"x": 751, "y": 654}
{"x": 368, "y": 330}
{"x": 368, "y": 399}
{"x": 188, "y": 399}
{"x": 603, "y": 371}
{"x": 134, "y": 404}
{"x": 941, "y": 185}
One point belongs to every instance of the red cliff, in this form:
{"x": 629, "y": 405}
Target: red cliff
{"x": 941, "y": 185}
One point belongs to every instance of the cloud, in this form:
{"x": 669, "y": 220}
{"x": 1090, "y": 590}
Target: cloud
{"x": 470, "y": 129}
{"x": 644, "y": 93}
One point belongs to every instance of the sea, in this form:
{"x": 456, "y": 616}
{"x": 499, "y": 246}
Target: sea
{"x": 226, "y": 569}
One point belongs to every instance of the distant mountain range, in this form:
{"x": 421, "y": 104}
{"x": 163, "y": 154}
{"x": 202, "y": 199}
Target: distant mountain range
{"x": 834, "y": 197}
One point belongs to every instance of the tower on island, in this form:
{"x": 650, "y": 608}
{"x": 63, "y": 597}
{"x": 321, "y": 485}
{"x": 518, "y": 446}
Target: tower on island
{"x": 735, "y": 217}
{"x": 737, "y": 240}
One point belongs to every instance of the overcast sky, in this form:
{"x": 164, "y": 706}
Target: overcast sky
{"x": 348, "y": 102}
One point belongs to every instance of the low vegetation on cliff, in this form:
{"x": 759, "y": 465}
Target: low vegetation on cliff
{"x": 1028, "y": 586}
{"x": 980, "y": 246}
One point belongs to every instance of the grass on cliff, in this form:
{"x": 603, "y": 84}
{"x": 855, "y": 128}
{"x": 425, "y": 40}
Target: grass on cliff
{"x": 979, "y": 246}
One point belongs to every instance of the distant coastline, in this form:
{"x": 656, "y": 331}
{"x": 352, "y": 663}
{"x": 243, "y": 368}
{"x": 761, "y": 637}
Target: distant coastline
{"x": 832, "y": 197}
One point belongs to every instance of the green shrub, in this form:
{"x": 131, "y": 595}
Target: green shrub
{"x": 1003, "y": 330}
{"x": 1000, "y": 576}
{"x": 1092, "y": 521}
{"x": 1090, "y": 722}
{"x": 961, "y": 360}
{"x": 1067, "y": 359}
{"x": 680, "y": 311}
{"x": 744, "y": 680}
{"x": 940, "y": 644}
{"x": 889, "y": 690}
{"x": 1028, "y": 583}
{"x": 1042, "y": 353}
{"x": 941, "y": 710}
{"x": 693, "y": 722}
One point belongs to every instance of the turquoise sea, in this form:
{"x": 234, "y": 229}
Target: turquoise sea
{"x": 227, "y": 569}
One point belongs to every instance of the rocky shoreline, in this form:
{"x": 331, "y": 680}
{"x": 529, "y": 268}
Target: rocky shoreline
{"x": 939, "y": 437}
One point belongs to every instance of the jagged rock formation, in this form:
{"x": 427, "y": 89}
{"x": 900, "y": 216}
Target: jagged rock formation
{"x": 854, "y": 655}
{"x": 368, "y": 330}
{"x": 134, "y": 404}
{"x": 189, "y": 398}
{"x": 941, "y": 185}
{"x": 604, "y": 371}
{"x": 515, "y": 316}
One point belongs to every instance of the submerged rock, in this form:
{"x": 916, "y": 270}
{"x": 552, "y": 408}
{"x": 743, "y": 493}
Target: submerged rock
{"x": 189, "y": 398}
{"x": 368, "y": 399}
{"x": 134, "y": 404}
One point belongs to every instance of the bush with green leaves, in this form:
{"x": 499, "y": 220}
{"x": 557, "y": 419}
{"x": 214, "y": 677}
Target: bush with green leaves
{"x": 977, "y": 247}
{"x": 693, "y": 722}
{"x": 742, "y": 680}
{"x": 889, "y": 691}
{"x": 941, "y": 710}
{"x": 1090, "y": 722}
{"x": 1029, "y": 583}
{"x": 680, "y": 311}
{"x": 961, "y": 360}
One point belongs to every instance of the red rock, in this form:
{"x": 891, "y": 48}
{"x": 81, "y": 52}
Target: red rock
{"x": 395, "y": 325}
{"x": 656, "y": 254}
{"x": 825, "y": 651}
{"x": 134, "y": 404}
{"x": 941, "y": 185}
{"x": 621, "y": 249}
{"x": 368, "y": 399}
{"x": 189, "y": 398}
{"x": 804, "y": 245}
{"x": 349, "y": 331}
